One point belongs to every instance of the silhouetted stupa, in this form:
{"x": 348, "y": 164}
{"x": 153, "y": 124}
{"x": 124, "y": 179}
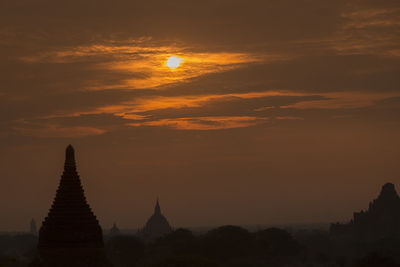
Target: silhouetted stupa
{"x": 114, "y": 230}
{"x": 33, "y": 229}
{"x": 381, "y": 220}
{"x": 156, "y": 226}
{"x": 70, "y": 235}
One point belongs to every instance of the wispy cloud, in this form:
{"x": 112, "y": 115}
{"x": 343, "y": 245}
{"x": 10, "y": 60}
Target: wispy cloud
{"x": 205, "y": 123}
{"x": 137, "y": 107}
{"x": 342, "y": 100}
{"x": 166, "y": 112}
{"x": 57, "y": 131}
{"x": 369, "y": 31}
{"x": 372, "y": 17}
{"x": 144, "y": 62}
{"x": 291, "y": 118}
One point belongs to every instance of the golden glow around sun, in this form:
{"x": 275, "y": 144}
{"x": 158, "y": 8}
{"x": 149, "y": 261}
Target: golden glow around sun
{"x": 173, "y": 62}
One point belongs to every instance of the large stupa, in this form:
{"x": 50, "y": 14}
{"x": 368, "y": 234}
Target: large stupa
{"x": 70, "y": 234}
{"x": 380, "y": 221}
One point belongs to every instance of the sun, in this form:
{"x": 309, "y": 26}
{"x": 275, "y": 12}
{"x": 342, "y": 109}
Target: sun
{"x": 173, "y": 62}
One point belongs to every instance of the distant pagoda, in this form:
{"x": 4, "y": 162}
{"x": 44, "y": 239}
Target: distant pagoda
{"x": 156, "y": 226}
{"x": 70, "y": 235}
{"x": 33, "y": 229}
{"x": 114, "y": 231}
{"x": 380, "y": 221}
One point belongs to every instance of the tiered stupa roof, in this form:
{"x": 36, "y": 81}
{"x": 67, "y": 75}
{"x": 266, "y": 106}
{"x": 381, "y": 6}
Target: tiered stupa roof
{"x": 71, "y": 234}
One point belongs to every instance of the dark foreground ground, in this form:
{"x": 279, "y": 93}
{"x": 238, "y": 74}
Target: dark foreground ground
{"x": 226, "y": 246}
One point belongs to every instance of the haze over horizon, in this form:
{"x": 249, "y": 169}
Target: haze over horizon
{"x": 280, "y": 111}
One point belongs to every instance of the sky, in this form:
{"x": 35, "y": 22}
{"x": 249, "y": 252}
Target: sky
{"x": 281, "y": 111}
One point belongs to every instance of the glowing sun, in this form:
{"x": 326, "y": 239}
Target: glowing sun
{"x": 173, "y": 62}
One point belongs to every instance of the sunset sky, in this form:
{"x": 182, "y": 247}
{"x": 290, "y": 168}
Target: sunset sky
{"x": 281, "y": 111}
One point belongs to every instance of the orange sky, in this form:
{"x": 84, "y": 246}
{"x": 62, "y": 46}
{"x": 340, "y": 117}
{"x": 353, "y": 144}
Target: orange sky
{"x": 280, "y": 112}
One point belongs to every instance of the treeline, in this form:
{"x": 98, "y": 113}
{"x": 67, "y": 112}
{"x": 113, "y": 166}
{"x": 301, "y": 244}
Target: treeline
{"x": 233, "y": 246}
{"x": 226, "y": 246}
{"x": 17, "y": 250}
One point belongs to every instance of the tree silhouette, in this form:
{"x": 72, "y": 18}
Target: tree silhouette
{"x": 185, "y": 261}
{"x": 375, "y": 259}
{"x": 124, "y": 250}
{"x": 180, "y": 241}
{"x": 227, "y": 242}
{"x": 277, "y": 245}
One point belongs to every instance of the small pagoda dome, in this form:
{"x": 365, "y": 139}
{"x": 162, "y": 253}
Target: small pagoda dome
{"x": 156, "y": 226}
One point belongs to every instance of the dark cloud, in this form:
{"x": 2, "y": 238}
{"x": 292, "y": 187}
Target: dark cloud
{"x": 230, "y": 21}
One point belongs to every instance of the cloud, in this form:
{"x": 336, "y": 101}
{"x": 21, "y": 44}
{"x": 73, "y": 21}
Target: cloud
{"x": 142, "y": 107}
{"x": 206, "y": 22}
{"x": 340, "y": 100}
{"x": 265, "y": 59}
{"x": 368, "y": 30}
{"x": 55, "y": 131}
{"x": 141, "y": 64}
{"x": 205, "y": 112}
{"x": 289, "y": 118}
{"x": 204, "y": 123}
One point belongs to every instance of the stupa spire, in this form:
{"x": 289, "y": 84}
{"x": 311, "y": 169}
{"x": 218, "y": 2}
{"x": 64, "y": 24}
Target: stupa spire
{"x": 157, "y": 209}
{"x": 69, "y": 158}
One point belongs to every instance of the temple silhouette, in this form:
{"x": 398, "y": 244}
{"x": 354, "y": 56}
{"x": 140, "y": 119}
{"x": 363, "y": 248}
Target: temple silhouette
{"x": 70, "y": 234}
{"x": 380, "y": 221}
{"x": 156, "y": 226}
{"x": 114, "y": 230}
